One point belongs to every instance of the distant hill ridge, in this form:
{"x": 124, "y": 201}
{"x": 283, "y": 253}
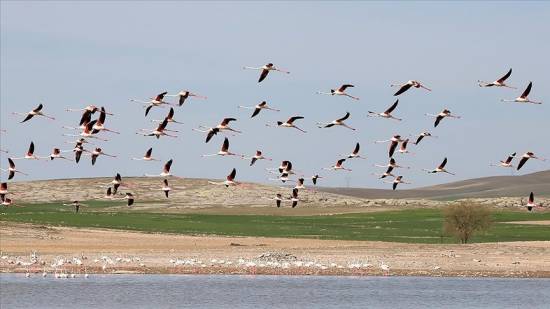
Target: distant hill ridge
{"x": 486, "y": 187}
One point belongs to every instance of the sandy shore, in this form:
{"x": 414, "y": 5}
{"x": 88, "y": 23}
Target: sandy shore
{"x": 107, "y": 251}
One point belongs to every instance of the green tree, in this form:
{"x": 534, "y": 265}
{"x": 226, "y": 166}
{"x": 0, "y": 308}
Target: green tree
{"x": 464, "y": 219}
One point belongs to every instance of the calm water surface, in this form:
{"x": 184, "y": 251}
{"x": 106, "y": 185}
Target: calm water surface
{"x": 188, "y": 291}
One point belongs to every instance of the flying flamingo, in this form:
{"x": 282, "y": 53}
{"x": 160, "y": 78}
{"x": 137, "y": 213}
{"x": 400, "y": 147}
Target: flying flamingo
{"x": 3, "y": 190}
{"x": 97, "y": 152}
{"x": 184, "y": 95}
{"x": 166, "y": 188}
{"x": 265, "y": 70}
{"x": 340, "y": 91}
{"x": 210, "y": 133}
{"x": 117, "y": 183}
{"x": 165, "y": 171}
{"x": 422, "y": 135}
{"x": 531, "y": 205}
{"x": 230, "y": 180}
{"x": 7, "y": 202}
{"x": 497, "y": 83}
{"x": 56, "y": 154}
{"x": 256, "y": 157}
{"x": 78, "y": 150}
{"x": 394, "y": 141}
{"x": 338, "y": 166}
{"x": 393, "y": 164}
{"x": 507, "y": 162}
{"x": 159, "y": 131}
{"x": 169, "y": 117}
{"x": 223, "y": 126}
{"x": 87, "y": 132}
{"x": 440, "y": 168}
{"x": 12, "y": 170}
{"x": 314, "y": 179}
{"x": 294, "y": 197}
{"x": 258, "y": 108}
{"x": 286, "y": 167}
{"x": 523, "y": 97}
{"x": 300, "y": 184}
{"x": 284, "y": 177}
{"x": 157, "y": 101}
{"x": 30, "y": 154}
{"x": 224, "y": 151}
{"x": 403, "y": 147}
{"x": 387, "y": 113}
{"x": 337, "y": 122}
{"x": 355, "y": 153}
{"x": 147, "y": 156}
{"x": 89, "y": 108}
{"x": 84, "y": 120}
{"x": 278, "y": 199}
{"x": 109, "y": 193}
{"x": 396, "y": 181}
{"x": 130, "y": 199}
{"x": 100, "y": 123}
{"x": 443, "y": 114}
{"x": 387, "y": 173}
{"x": 289, "y": 123}
{"x": 406, "y": 86}
{"x": 75, "y": 204}
{"x": 35, "y": 112}
{"x": 526, "y": 156}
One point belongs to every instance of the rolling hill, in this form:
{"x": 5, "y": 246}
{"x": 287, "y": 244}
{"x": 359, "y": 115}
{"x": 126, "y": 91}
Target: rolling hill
{"x": 486, "y": 187}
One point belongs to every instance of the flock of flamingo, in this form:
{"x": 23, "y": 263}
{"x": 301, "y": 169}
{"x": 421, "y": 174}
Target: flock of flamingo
{"x": 91, "y": 129}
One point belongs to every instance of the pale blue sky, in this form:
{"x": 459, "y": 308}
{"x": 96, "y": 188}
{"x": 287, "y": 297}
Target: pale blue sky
{"x": 73, "y": 54}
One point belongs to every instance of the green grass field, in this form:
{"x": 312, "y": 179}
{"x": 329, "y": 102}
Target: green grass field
{"x": 411, "y": 225}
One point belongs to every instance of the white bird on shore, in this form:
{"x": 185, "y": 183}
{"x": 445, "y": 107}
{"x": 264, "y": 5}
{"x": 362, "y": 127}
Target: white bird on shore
{"x": 385, "y": 268}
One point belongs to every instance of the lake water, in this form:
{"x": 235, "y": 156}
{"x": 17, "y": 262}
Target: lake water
{"x": 201, "y": 291}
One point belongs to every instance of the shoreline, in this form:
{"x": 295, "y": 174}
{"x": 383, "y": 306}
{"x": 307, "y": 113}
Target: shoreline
{"x": 33, "y": 248}
{"x": 199, "y": 271}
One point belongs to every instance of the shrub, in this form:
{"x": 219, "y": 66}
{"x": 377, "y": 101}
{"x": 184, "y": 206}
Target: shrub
{"x": 464, "y": 219}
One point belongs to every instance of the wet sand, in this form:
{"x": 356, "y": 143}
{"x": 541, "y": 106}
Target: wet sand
{"x": 108, "y": 251}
